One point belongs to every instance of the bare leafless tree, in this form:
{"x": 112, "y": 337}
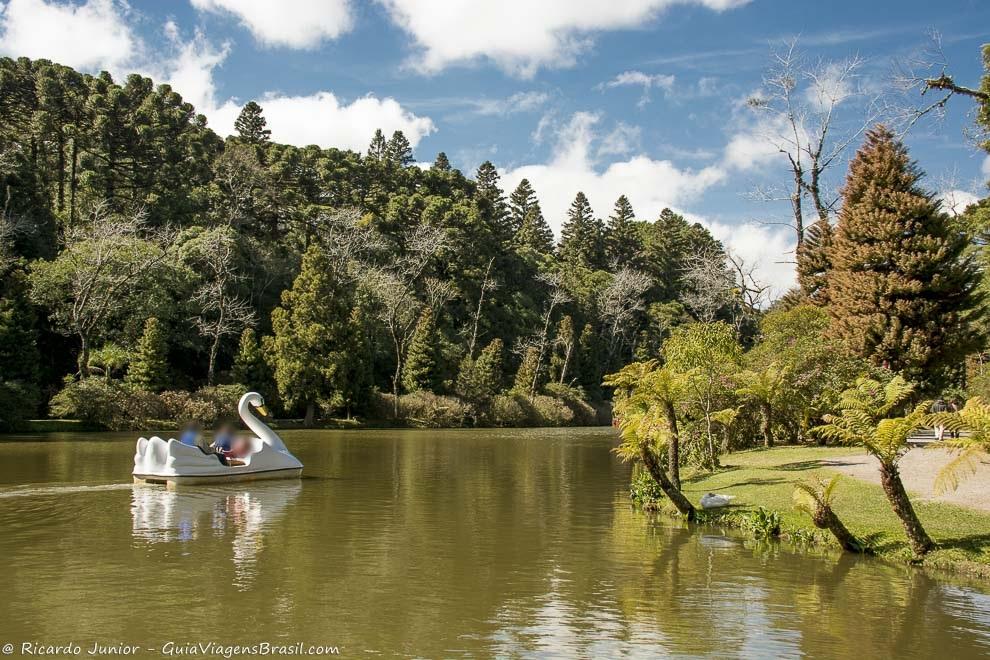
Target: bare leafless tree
{"x": 620, "y": 302}
{"x": 923, "y": 87}
{"x": 221, "y": 312}
{"x": 347, "y": 242}
{"x": 800, "y": 104}
{"x": 394, "y": 286}
{"x": 489, "y": 283}
{"x": 710, "y": 285}
{"x": 556, "y": 296}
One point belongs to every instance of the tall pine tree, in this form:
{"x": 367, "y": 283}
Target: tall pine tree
{"x": 581, "y": 240}
{"x": 622, "y": 243}
{"x": 251, "y": 124}
{"x": 378, "y": 148}
{"x": 419, "y": 370}
{"x": 312, "y": 337}
{"x": 527, "y": 222}
{"x": 901, "y": 291}
{"x": 814, "y": 262}
{"x": 149, "y": 367}
{"x": 398, "y": 151}
{"x": 490, "y": 202}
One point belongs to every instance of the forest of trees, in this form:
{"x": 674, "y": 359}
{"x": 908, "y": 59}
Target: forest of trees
{"x": 149, "y": 266}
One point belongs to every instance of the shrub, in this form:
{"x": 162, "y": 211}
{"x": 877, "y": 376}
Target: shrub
{"x": 430, "y": 410}
{"x": 645, "y": 492}
{"x": 110, "y": 405}
{"x": 208, "y": 405}
{"x": 573, "y": 397}
{"x": 507, "y": 410}
{"x": 762, "y": 523}
{"x": 18, "y": 401}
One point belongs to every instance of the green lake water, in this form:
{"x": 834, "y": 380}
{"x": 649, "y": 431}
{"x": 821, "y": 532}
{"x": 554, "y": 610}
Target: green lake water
{"x": 434, "y": 544}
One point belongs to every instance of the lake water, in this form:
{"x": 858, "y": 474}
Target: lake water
{"x": 433, "y": 544}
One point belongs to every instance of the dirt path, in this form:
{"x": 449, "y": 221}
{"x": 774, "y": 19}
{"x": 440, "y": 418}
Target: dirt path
{"x": 918, "y": 470}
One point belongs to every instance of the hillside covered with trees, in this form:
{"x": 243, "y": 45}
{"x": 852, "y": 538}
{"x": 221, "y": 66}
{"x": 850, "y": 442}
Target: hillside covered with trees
{"x": 147, "y": 263}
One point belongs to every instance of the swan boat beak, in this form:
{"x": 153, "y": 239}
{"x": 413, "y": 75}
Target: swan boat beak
{"x": 263, "y": 410}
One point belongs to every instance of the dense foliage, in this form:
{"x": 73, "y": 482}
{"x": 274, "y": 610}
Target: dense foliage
{"x": 330, "y": 277}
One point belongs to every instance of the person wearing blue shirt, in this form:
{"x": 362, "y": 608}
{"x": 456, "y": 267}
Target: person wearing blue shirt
{"x": 190, "y": 434}
{"x": 224, "y": 438}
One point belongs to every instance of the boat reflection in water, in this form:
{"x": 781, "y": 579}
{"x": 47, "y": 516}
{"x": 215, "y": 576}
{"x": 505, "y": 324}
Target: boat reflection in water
{"x": 241, "y": 513}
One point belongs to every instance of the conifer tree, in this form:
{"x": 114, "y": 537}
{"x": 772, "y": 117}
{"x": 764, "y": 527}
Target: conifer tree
{"x": 441, "y": 163}
{"x": 312, "y": 338}
{"x": 527, "y": 223}
{"x": 398, "y": 151}
{"x": 419, "y": 370}
{"x": 901, "y": 291}
{"x": 814, "y": 262}
{"x": 378, "y": 148}
{"x": 521, "y": 202}
{"x": 479, "y": 380}
{"x": 581, "y": 236}
{"x": 251, "y": 124}
{"x": 527, "y": 380}
{"x": 149, "y": 367}
{"x": 250, "y": 368}
{"x": 490, "y": 201}
{"x": 621, "y": 238}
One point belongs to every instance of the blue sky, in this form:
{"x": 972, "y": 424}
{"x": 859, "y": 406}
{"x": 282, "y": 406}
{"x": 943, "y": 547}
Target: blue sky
{"x": 642, "y": 97}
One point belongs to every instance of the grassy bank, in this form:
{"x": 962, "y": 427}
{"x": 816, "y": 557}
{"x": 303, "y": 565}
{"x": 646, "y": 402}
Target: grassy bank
{"x": 767, "y": 477}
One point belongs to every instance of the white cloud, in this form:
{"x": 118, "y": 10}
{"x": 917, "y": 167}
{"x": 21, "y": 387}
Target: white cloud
{"x": 954, "y": 202}
{"x": 90, "y": 35}
{"x": 621, "y": 140}
{"x": 640, "y": 79}
{"x": 644, "y": 80}
{"x": 986, "y": 167}
{"x": 651, "y": 185}
{"x": 290, "y": 23}
{"x": 771, "y": 249}
{"x": 520, "y": 36}
{"x": 518, "y": 102}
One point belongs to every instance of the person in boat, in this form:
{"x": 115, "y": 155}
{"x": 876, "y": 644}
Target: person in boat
{"x": 223, "y": 439}
{"x": 191, "y": 433}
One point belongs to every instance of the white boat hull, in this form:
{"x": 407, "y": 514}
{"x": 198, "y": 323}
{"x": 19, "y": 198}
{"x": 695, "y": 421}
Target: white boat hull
{"x": 169, "y": 462}
{"x": 227, "y": 478}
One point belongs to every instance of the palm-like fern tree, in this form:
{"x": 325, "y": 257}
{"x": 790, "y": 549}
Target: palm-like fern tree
{"x": 866, "y": 418}
{"x": 974, "y": 419}
{"x": 816, "y": 499}
{"x": 644, "y": 408}
{"x": 766, "y": 388}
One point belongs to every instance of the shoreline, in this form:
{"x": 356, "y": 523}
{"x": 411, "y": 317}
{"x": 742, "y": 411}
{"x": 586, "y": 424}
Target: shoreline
{"x": 765, "y": 478}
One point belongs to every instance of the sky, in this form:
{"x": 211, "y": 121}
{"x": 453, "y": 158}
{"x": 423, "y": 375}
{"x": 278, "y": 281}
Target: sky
{"x": 646, "y": 98}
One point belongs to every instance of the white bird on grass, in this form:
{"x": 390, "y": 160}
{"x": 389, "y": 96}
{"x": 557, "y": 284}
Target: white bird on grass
{"x": 713, "y": 501}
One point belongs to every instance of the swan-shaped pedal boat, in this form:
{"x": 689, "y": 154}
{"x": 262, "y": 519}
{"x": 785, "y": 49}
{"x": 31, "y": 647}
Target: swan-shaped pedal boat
{"x": 173, "y": 463}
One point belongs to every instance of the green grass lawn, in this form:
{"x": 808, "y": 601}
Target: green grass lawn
{"x": 766, "y": 478}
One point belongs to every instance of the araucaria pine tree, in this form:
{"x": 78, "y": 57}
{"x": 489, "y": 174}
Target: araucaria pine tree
{"x": 490, "y": 201}
{"x": 312, "y": 337}
{"x": 527, "y": 381}
{"x": 419, "y": 370}
{"x": 527, "y": 221}
{"x": 149, "y": 367}
{"x": 251, "y": 124}
{"x": 622, "y": 242}
{"x": 581, "y": 240}
{"x": 901, "y": 291}
{"x": 814, "y": 261}
{"x": 250, "y": 368}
